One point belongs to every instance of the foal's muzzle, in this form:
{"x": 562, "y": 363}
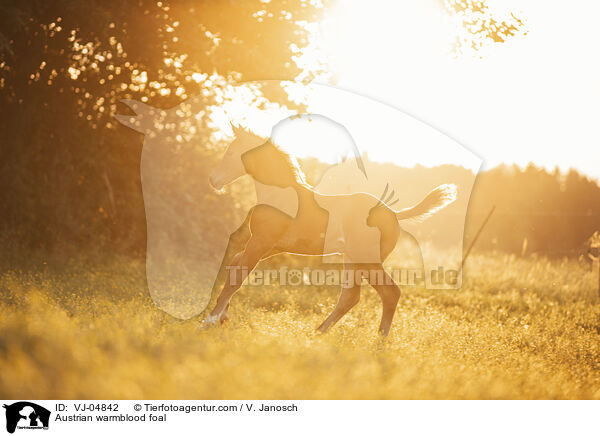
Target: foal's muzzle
{"x": 215, "y": 182}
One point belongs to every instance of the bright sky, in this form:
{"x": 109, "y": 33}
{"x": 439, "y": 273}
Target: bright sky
{"x": 346, "y": 119}
{"x": 534, "y": 98}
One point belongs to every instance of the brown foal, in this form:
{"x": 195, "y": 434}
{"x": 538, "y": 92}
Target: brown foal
{"x": 268, "y": 230}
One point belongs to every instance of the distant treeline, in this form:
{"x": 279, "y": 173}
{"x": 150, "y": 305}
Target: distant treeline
{"x": 555, "y": 213}
{"x": 537, "y": 211}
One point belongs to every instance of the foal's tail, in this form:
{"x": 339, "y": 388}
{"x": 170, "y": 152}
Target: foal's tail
{"x": 437, "y": 199}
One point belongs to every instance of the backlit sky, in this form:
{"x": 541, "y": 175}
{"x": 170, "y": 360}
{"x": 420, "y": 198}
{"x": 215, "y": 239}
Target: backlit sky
{"x": 533, "y": 98}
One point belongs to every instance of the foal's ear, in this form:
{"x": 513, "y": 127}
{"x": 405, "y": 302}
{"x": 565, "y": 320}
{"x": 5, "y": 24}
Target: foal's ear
{"x": 237, "y": 130}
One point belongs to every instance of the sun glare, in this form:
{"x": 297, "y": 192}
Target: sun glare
{"x": 346, "y": 38}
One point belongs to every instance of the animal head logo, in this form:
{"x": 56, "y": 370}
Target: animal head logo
{"x": 26, "y": 415}
{"x": 351, "y": 215}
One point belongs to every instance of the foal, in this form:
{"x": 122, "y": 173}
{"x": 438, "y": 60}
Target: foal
{"x": 268, "y": 231}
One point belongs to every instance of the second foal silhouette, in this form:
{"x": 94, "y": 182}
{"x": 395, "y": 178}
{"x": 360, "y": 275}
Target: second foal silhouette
{"x": 363, "y": 225}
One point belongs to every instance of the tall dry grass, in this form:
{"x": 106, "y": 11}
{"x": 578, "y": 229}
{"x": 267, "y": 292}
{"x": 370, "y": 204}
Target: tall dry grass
{"x": 519, "y": 328}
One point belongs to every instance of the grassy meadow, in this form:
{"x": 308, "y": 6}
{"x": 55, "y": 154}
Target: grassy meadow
{"x": 518, "y": 329}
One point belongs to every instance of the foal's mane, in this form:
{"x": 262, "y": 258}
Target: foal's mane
{"x": 290, "y": 161}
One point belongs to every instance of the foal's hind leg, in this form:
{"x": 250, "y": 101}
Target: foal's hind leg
{"x": 349, "y": 297}
{"x": 389, "y": 292}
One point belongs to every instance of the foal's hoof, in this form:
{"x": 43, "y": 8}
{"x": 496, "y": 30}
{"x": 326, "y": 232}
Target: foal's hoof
{"x": 213, "y": 321}
{"x": 382, "y": 334}
{"x": 322, "y": 329}
{"x": 209, "y": 321}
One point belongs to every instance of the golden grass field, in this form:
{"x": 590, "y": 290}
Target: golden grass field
{"x": 518, "y": 329}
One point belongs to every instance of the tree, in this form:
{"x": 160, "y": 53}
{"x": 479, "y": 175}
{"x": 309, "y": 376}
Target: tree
{"x": 65, "y": 64}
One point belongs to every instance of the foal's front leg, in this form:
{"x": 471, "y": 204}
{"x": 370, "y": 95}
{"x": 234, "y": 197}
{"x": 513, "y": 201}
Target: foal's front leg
{"x": 246, "y": 261}
{"x": 235, "y": 247}
{"x": 267, "y": 224}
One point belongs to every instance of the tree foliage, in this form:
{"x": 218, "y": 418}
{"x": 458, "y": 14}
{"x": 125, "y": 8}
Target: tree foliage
{"x": 65, "y": 64}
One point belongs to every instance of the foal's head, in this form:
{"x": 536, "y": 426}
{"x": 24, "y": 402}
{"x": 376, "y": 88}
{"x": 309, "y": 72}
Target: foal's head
{"x": 231, "y": 167}
{"x": 252, "y": 154}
